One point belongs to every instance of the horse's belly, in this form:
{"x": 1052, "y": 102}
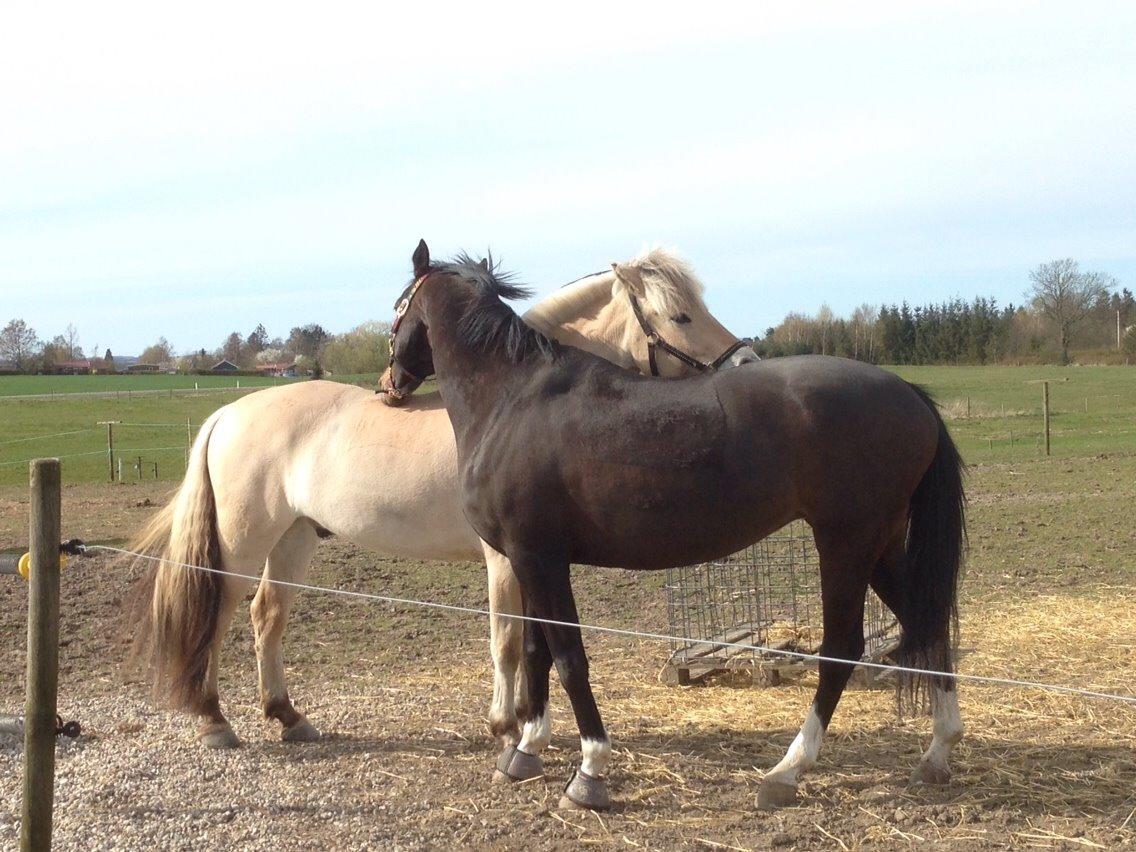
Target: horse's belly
{"x": 391, "y": 502}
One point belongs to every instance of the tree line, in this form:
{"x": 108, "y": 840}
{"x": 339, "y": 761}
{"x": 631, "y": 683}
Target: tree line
{"x": 310, "y": 348}
{"x": 1066, "y": 311}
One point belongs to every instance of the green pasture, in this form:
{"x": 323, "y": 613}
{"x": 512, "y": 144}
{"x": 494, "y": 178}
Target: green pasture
{"x": 994, "y": 413}
{"x": 125, "y": 384}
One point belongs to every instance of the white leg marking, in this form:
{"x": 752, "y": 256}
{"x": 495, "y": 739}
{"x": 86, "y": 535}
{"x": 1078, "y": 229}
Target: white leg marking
{"x": 948, "y": 727}
{"x": 802, "y": 754}
{"x": 536, "y": 735}
{"x": 596, "y": 756}
{"x": 502, "y": 712}
{"x": 506, "y": 638}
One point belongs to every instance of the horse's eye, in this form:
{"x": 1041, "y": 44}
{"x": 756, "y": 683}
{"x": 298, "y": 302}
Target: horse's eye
{"x": 681, "y": 319}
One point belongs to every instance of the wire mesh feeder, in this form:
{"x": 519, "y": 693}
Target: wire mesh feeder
{"x": 766, "y": 595}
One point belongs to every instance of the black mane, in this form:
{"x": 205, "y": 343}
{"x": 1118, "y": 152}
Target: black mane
{"x": 488, "y": 323}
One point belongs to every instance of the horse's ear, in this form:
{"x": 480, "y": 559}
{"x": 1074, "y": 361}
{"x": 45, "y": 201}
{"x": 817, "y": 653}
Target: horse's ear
{"x": 628, "y": 277}
{"x": 484, "y": 264}
{"x": 421, "y": 259}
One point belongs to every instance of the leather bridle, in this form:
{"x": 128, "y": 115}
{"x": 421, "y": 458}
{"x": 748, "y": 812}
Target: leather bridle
{"x": 656, "y": 341}
{"x": 399, "y": 312}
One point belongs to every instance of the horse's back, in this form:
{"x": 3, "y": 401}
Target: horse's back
{"x": 850, "y": 430}
{"x": 334, "y": 453}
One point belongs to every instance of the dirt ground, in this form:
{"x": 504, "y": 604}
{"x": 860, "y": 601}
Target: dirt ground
{"x": 401, "y": 696}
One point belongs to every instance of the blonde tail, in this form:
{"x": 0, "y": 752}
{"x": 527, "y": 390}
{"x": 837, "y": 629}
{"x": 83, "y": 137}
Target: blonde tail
{"x": 174, "y": 610}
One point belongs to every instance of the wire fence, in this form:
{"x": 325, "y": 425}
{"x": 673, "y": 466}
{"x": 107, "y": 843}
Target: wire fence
{"x": 988, "y": 680}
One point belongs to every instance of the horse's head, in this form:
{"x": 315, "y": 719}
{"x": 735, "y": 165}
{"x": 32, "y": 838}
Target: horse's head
{"x": 646, "y": 314}
{"x": 468, "y": 294}
{"x": 411, "y": 358}
{"x": 665, "y": 312}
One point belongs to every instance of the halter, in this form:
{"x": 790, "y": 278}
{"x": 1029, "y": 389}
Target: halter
{"x": 655, "y": 340}
{"x": 399, "y": 313}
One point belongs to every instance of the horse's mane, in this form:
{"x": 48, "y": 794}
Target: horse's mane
{"x": 669, "y": 281}
{"x": 670, "y": 287}
{"x": 488, "y": 323}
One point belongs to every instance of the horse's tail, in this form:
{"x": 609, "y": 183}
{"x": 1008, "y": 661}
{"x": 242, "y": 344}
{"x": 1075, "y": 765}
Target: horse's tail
{"x": 173, "y": 610}
{"x": 936, "y": 540}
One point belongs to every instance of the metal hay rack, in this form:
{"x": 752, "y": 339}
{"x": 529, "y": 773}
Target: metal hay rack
{"x": 767, "y": 595}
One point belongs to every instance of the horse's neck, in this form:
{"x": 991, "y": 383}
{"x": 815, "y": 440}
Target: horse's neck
{"x": 584, "y": 315}
{"x": 470, "y": 379}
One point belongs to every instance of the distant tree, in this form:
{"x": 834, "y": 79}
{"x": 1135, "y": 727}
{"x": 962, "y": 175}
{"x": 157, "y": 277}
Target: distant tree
{"x": 308, "y": 340}
{"x": 71, "y": 336}
{"x": 231, "y": 348}
{"x": 158, "y": 353}
{"x": 1066, "y": 296}
{"x": 271, "y": 355}
{"x": 257, "y": 341}
{"x": 362, "y": 350}
{"x": 108, "y": 360}
{"x": 19, "y": 344}
{"x": 55, "y": 352}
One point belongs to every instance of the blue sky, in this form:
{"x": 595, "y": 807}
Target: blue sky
{"x": 192, "y": 173}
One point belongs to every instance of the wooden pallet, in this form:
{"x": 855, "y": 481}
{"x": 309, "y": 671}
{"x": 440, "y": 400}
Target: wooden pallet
{"x": 700, "y": 660}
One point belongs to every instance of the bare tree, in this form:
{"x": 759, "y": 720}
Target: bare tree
{"x": 864, "y": 332}
{"x": 19, "y": 343}
{"x": 71, "y": 335}
{"x": 1065, "y": 295}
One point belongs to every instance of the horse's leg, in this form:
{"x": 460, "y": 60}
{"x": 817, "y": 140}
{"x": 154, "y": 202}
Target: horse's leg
{"x": 548, "y": 590}
{"x": 506, "y": 643}
{"x": 522, "y": 762}
{"x": 288, "y": 561}
{"x": 888, "y": 581}
{"x": 844, "y": 584}
{"x": 214, "y": 731}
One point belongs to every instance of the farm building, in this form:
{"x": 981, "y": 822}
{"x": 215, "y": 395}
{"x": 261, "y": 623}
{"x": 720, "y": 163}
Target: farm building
{"x": 142, "y": 368}
{"x": 78, "y": 367}
{"x": 224, "y": 367}
{"x": 283, "y": 370}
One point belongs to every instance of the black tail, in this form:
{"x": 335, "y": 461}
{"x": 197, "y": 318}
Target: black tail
{"x": 936, "y": 540}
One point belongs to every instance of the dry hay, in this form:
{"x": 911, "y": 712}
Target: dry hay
{"x": 1036, "y": 768}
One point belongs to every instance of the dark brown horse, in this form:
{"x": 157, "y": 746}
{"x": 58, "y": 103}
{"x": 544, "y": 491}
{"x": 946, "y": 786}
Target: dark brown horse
{"x": 565, "y": 459}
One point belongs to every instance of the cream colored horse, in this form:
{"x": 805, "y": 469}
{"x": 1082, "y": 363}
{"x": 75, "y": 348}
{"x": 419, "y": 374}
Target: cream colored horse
{"x": 273, "y": 472}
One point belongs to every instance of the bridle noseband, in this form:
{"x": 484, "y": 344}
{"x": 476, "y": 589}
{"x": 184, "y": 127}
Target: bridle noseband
{"x": 655, "y": 340}
{"x": 399, "y": 312}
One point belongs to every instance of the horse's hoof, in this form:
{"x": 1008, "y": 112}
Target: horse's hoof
{"x": 929, "y": 773}
{"x": 302, "y": 732}
{"x": 218, "y": 737}
{"x": 516, "y": 765}
{"x": 776, "y": 794}
{"x": 586, "y": 792}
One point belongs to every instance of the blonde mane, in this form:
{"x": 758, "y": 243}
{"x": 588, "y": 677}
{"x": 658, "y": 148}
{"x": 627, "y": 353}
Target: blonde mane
{"x": 669, "y": 284}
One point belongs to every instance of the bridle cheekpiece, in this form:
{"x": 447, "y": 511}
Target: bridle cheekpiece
{"x": 656, "y": 341}
{"x": 399, "y": 312}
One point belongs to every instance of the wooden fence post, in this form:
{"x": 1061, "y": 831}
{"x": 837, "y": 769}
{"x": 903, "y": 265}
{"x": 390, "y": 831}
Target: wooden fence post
{"x": 1045, "y": 412}
{"x": 110, "y": 424}
{"x": 43, "y": 657}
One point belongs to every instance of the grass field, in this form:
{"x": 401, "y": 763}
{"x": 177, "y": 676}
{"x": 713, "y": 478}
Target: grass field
{"x": 152, "y": 412}
{"x": 60, "y": 385}
{"x": 995, "y": 415}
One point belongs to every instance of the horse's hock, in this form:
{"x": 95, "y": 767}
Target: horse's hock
{"x": 767, "y": 596}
